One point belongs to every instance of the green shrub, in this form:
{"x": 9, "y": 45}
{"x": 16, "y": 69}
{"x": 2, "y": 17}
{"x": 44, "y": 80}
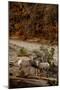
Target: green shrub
{"x": 50, "y": 55}
{"x": 53, "y": 82}
{"x": 23, "y": 51}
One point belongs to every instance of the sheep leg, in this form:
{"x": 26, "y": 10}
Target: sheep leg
{"x": 36, "y": 72}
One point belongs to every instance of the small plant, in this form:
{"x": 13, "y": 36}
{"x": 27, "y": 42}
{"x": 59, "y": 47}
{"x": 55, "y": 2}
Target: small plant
{"x": 54, "y": 82}
{"x": 45, "y": 54}
{"x": 50, "y": 55}
{"x": 22, "y": 51}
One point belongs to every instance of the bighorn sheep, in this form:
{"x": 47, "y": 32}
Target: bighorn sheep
{"x": 40, "y": 66}
{"x": 23, "y": 61}
{"x": 26, "y": 62}
{"x": 44, "y": 65}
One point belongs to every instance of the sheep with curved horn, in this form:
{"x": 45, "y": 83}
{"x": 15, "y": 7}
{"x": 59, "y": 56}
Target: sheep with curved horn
{"x": 24, "y": 63}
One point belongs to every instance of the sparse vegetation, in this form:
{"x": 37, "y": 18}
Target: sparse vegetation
{"x": 50, "y": 56}
{"x": 53, "y": 83}
{"x": 45, "y": 54}
{"x": 23, "y": 51}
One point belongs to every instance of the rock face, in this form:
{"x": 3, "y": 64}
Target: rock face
{"x": 29, "y": 21}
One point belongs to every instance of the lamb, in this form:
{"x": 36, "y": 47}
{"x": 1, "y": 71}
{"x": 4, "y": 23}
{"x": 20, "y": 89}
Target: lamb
{"x": 44, "y": 66}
